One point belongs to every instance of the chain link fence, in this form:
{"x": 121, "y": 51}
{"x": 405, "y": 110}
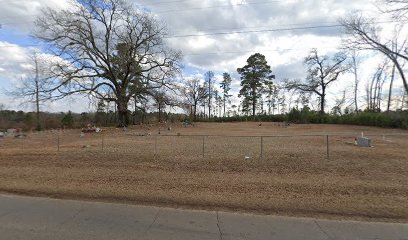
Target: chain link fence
{"x": 249, "y": 148}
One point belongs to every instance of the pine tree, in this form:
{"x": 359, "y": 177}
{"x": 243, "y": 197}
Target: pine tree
{"x": 254, "y": 76}
{"x": 226, "y": 87}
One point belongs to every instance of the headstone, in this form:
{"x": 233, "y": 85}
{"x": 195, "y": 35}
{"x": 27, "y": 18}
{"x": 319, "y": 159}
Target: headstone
{"x": 363, "y": 142}
{"x": 1, "y": 134}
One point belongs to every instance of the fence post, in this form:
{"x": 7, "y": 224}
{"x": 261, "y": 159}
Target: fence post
{"x": 261, "y": 147}
{"x": 58, "y": 142}
{"x": 203, "y": 146}
{"x": 103, "y": 142}
{"x": 327, "y": 144}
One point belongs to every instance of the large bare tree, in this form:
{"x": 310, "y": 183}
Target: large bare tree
{"x": 322, "y": 71}
{"x": 364, "y": 34}
{"x": 109, "y": 49}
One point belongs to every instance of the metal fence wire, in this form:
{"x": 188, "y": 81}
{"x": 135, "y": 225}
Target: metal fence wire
{"x": 260, "y": 148}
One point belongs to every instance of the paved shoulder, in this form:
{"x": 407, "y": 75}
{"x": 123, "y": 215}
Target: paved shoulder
{"x": 42, "y": 218}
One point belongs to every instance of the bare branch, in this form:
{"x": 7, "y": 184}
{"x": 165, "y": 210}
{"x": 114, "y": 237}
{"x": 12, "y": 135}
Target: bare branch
{"x": 107, "y": 46}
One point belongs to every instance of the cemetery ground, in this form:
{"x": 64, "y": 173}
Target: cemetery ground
{"x": 219, "y": 166}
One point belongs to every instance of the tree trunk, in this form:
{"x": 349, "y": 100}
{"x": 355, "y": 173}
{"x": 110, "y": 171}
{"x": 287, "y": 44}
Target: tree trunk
{"x": 224, "y": 104}
{"x": 123, "y": 117}
{"x": 322, "y": 100}
{"x": 390, "y": 90}
{"x": 195, "y": 112}
{"x": 37, "y": 101}
{"x": 368, "y": 95}
{"x": 134, "y": 114}
{"x": 322, "y": 106}
{"x": 37, "y": 96}
{"x": 209, "y": 98}
{"x": 204, "y": 108}
{"x": 253, "y": 108}
{"x": 253, "y": 101}
{"x": 355, "y": 82}
{"x": 402, "y": 74}
{"x": 375, "y": 104}
{"x": 372, "y": 99}
{"x": 355, "y": 95}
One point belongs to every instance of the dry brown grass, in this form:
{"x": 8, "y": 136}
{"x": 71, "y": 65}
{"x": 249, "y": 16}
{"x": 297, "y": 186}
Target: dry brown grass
{"x": 293, "y": 177}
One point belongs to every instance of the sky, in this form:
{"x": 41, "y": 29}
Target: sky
{"x": 216, "y": 35}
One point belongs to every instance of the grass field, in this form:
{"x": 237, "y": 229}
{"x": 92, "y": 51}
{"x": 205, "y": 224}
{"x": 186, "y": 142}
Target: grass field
{"x": 292, "y": 177}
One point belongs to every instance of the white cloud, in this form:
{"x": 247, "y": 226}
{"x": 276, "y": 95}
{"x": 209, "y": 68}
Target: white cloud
{"x": 20, "y": 14}
{"x": 14, "y": 60}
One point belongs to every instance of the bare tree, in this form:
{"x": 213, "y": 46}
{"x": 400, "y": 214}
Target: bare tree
{"x": 390, "y": 88}
{"x": 162, "y": 98}
{"x": 374, "y": 87}
{"x": 282, "y": 102}
{"x": 272, "y": 92}
{"x": 395, "y": 48}
{"x": 339, "y": 104}
{"x": 36, "y": 87}
{"x": 364, "y": 34}
{"x": 322, "y": 71}
{"x": 107, "y": 45}
{"x": 354, "y": 70}
{"x": 397, "y": 8}
{"x": 194, "y": 93}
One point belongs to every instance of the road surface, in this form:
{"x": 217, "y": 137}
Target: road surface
{"x": 43, "y": 218}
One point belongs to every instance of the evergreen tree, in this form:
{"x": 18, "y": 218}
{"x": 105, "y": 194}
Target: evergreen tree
{"x": 209, "y": 80}
{"x": 68, "y": 120}
{"x": 226, "y": 87}
{"x": 254, "y": 76}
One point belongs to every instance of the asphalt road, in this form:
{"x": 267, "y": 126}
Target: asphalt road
{"x": 42, "y": 218}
